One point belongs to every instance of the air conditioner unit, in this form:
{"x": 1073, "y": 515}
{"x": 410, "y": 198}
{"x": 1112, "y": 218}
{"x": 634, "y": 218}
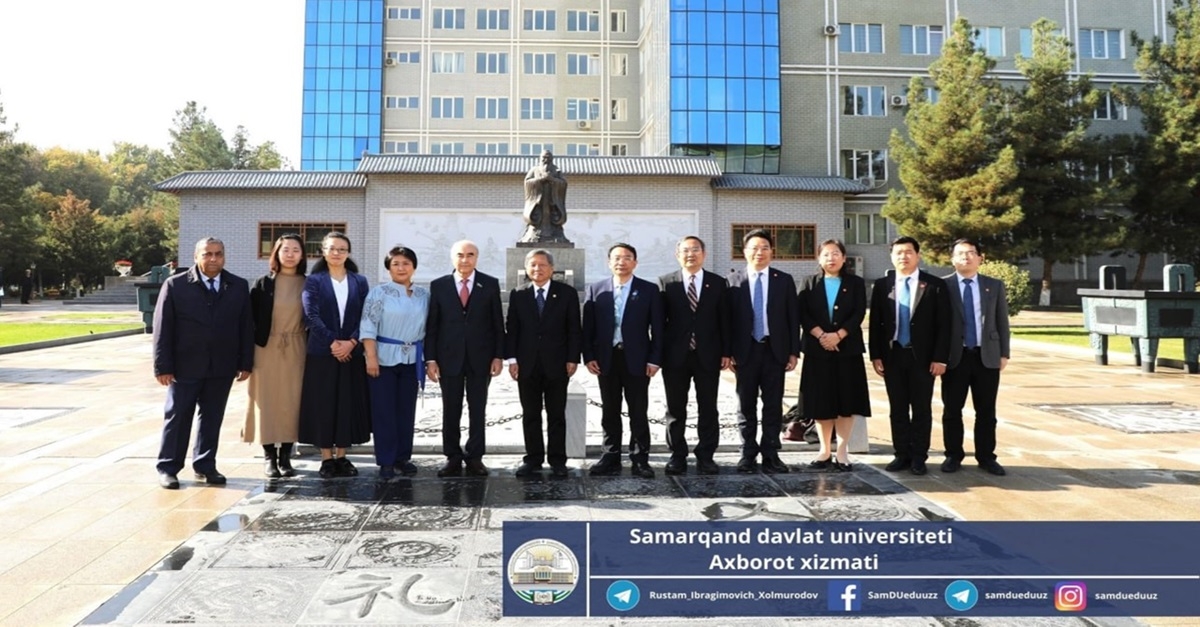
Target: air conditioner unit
{"x": 867, "y": 181}
{"x": 898, "y": 101}
{"x": 856, "y": 265}
{"x": 584, "y": 125}
{"x": 831, "y": 30}
{"x": 390, "y": 61}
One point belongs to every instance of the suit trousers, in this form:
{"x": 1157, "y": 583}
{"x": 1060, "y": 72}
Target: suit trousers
{"x": 909, "y": 385}
{"x": 476, "y": 387}
{"x": 636, "y": 391}
{"x": 984, "y": 385}
{"x": 536, "y": 391}
{"x": 677, "y": 382}
{"x": 393, "y": 413}
{"x": 761, "y": 374}
{"x": 184, "y": 396}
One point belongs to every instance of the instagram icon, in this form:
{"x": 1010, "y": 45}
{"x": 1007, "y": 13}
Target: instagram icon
{"x": 1070, "y": 596}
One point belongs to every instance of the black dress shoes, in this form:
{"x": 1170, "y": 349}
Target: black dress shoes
{"x": 527, "y": 469}
{"x": 840, "y": 467}
{"x": 821, "y": 464}
{"x": 453, "y": 468}
{"x": 475, "y": 468}
{"x": 328, "y": 469}
{"x": 993, "y": 467}
{"x": 343, "y": 468}
{"x": 559, "y": 470}
{"x": 211, "y": 478}
{"x": 168, "y": 481}
{"x": 407, "y": 468}
{"x": 387, "y": 473}
{"x": 919, "y": 468}
{"x": 641, "y": 469}
{"x": 677, "y": 466}
{"x": 707, "y": 467}
{"x": 747, "y": 466}
{"x": 897, "y": 464}
{"x": 772, "y": 465}
{"x": 951, "y": 464}
{"x": 606, "y": 467}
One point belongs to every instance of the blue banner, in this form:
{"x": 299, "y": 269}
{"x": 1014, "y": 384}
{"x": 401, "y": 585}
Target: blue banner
{"x": 729, "y": 569}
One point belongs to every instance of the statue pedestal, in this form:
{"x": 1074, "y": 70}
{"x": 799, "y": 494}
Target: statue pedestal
{"x": 568, "y": 264}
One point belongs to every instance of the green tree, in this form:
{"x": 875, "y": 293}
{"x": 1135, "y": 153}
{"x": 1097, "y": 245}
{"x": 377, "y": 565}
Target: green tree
{"x": 84, "y": 173}
{"x": 957, "y": 172}
{"x": 134, "y": 170}
{"x": 78, "y": 240}
{"x": 197, "y": 142}
{"x": 148, "y": 236}
{"x": 1056, "y": 160}
{"x": 19, "y": 229}
{"x": 247, "y": 156}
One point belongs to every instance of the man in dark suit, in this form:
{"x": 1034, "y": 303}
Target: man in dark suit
{"x": 203, "y": 339}
{"x": 909, "y": 346}
{"x": 979, "y": 350}
{"x": 695, "y": 348}
{"x": 765, "y": 346}
{"x": 542, "y": 347}
{"x": 622, "y": 345}
{"x": 464, "y": 349}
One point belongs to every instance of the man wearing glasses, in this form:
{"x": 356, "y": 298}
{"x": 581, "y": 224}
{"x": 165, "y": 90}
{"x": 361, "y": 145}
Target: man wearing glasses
{"x": 765, "y": 346}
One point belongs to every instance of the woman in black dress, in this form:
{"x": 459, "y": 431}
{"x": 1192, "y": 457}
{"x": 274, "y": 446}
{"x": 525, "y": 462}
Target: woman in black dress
{"x": 334, "y": 411}
{"x": 833, "y": 381}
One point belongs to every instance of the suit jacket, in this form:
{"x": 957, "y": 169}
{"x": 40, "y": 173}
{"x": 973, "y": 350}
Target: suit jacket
{"x": 709, "y": 323}
{"x": 849, "y": 309}
{"x": 993, "y": 308}
{"x": 641, "y": 326}
{"x": 783, "y": 316}
{"x": 929, "y": 324}
{"x": 198, "y": 335}
{"x": 552, "y": 338}
{"x": 321, "y": 311}
{"x": 460, "y": 338}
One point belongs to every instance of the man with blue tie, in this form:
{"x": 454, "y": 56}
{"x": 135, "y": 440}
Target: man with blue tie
{"x": 765, "y": 346}
{"x": 979, "y": 350}
{"x": 909, "y": 346}
{"x": 622, "y": 345}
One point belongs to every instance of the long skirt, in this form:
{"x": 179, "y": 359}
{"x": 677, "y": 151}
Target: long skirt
{"x": 334, "y": 408}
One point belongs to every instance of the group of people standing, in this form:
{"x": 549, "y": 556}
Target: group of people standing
{"x": 336, "y": 362}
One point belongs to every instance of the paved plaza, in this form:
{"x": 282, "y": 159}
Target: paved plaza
{"x": 87, "y": 536}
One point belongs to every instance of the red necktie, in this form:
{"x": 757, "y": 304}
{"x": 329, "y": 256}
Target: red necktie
{"x": 463, "y": 294}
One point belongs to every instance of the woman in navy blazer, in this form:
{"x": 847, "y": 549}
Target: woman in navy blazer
{"x": 334, "y": 410}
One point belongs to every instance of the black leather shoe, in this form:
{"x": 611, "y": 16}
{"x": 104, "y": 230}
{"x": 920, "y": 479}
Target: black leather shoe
{"x": 559, "y": 470}
{"x": 951, "y": 465}
{"x": 211, "y": 478}
{"x": 387, "y": 472}
{"x": 821, "y": 464}
{"x": 285, "y": 461}
{"x": 772, "y": 465}
{"x": 919, "y": 468}
{"x": 897, "y": 464}
{"x": 606, "y": 467}
{"x": 641, "y": 469}
{"x": 271, "y": 468}
{"x": 993, "y": 468}
{"x": 525, "y": 470}
{"x": 475, "y": 468}
{"x": 707, "y": 467}
{"x": 407, "y": 468}
{"x": 676, "y": 466}
{"x": 840, "y": 467}
{"x": 343, "y": 468}
{"x": 453, "y": 468}
{"x": 747, "y": 466}
{"x": 168, "y": 481}
{"x": 328, "y": 469}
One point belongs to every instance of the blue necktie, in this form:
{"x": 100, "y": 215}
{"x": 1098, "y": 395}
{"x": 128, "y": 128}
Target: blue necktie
{"x": 968, "y": 298}
{"x": 760, "y": 330}
{"x": 541, "y": 300}
{"x": 904, "y": 319}
{"x": 618, "y": 302}
{"x": 212, "y": 286}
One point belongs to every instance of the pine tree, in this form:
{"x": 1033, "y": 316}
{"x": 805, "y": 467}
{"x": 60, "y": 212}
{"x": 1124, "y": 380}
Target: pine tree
{"x": 957, "y": 173}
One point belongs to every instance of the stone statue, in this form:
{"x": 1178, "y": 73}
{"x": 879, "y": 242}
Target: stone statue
{"x": 545, "y": 203}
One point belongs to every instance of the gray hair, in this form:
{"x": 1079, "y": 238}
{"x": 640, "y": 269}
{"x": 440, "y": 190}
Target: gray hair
{"x": 540, "y": 251}
{"x": 205, "y": 241}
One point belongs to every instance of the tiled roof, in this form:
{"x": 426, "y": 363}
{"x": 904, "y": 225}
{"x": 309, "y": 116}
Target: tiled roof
{"x": 783, "y": 183}
{"x": 514, "y": 164}
{"x": 261, "y": 179}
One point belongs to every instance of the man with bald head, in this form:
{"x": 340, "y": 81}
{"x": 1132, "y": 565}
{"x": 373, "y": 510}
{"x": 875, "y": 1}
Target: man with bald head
{"x": 464, "y": 349}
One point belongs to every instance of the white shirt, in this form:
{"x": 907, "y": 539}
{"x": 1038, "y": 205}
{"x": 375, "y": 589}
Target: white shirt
{"x": 912, "y": 295}
{"x": 976, "y": 295}
{"x": 752, "y": 274}
{"x": 341, "y": 291}
{"x": 458, "y": 282}
{"x": 216, "y": 282}
{"x": 687, "y": 280}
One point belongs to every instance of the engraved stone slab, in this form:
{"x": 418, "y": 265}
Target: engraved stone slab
{"x": 502, "y": 492}
{"x": 723, "y": 487}
{"x": 415, "y": 550}
{"x": 859, "y": 508}
{"x": 494, "y": 517}
{"x": 233, "y": 597}
{"x": 349, "y": 489}
{"x": 825, "y": 484}
{"x": 438, "y": 492}
{"x": 1131, "y": 417}
{"x": 313, "y": 516}
{"x": 388, "y": 597}
{"x": 764, "y": 509}
{"x": 645, "y": 509}
{"x": 401, "y": 517}
{"x": 283, "y": 549}
{"x": 623, "y": 487}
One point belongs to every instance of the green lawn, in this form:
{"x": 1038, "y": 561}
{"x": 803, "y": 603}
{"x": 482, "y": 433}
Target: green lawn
{"x": 1077, "y": 336}
{"x": 68, "y": 317}
{"x": 12, "y": 333}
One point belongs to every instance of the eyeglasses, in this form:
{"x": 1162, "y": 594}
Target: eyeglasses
{"x": 337, "y": 251}
{"x": 691, "y": 249}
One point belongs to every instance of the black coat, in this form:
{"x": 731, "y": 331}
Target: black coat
{"x": 198, "y": 335}
{"x": 929, "y": 323}
{"x": 783, "y": 320}
{"x": 709, "y": 323}
{"x": 551, "y": 339}
{"x": 467, "y": 339}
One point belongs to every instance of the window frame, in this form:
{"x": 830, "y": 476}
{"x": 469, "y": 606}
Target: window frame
{"x": 312, "y": 248}
{"x": 848, "y": 36}
{"x": 484, "y": 19}
{"x": 806, "y": 234}
{"x": 860, "y": 103}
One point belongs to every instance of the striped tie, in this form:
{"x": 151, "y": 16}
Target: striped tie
{"x": 693, "y": 302}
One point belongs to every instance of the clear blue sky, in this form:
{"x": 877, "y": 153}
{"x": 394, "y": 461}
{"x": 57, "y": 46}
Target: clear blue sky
{"x": 83, "y": 74}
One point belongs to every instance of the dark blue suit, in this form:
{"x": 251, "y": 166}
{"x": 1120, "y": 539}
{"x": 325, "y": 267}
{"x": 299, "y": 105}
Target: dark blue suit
{"x": 334, "y": 411}
{"x": 204, "y": 340}
{"x": 623, "y": 371}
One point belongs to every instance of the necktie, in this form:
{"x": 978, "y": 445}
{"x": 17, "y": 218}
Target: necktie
{"x": 464, "y": 294}
{"x": 618, "y": 301}
{"x": 693, "y": 302}
{"x": 972, "y": 338}
{"x": 212, "y": 286}
{"x": 541, "y": 300}
{"x": 760, "y": 330}
{"x": 904, "y": 318}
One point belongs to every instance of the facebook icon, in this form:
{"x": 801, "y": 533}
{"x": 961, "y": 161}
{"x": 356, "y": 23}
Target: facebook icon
{"x": 844, "y": 596}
